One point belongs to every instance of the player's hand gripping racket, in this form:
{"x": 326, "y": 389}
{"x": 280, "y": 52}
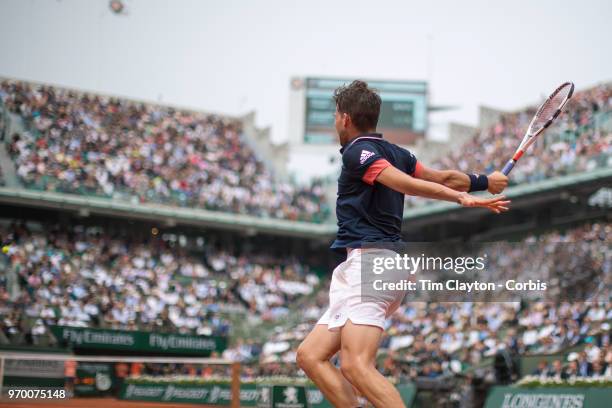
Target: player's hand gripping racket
{"x": 546, "y": 114}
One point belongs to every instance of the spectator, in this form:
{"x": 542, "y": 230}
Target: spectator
{"x": 542, "y": 370}
{"x": 121, "y": 372}
{"x": 557, "y": 371}
{"x": 584, "y": 367}
{"x": 70, "y": 367}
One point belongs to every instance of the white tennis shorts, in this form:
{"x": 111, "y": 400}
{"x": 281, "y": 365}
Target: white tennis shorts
{"x": 346, "y": 302}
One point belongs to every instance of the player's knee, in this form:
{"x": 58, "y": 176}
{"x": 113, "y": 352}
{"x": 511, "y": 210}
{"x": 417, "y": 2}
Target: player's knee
{"x": 305, "y": 358}
{"x": 353, "y": 369}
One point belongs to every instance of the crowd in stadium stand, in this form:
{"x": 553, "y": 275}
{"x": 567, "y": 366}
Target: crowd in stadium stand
{"x": 432, "y": 339}
{"x": 91, "y": 144}
{"x": 574, "y": 143}
{"x": 439, "y": 339}
{"x": 88, "y": 278}
{"x": 593, "y": 361}
{"x": 579, "y": 140}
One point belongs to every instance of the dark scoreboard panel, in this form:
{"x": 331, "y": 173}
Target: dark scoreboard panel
{"x": 403, "y": 116}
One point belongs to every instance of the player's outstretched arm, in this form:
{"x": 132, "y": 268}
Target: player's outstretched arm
{"x": 456, "y": 180}
{"x": 405, "y": 184}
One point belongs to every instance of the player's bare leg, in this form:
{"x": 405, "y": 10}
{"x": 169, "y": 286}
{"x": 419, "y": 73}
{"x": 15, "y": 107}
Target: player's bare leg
{"x": 358, "y": 364}
{"x": 313, "y": 357}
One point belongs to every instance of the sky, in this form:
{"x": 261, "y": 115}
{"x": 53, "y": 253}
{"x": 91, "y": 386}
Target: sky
{"x": 236, "y": 56}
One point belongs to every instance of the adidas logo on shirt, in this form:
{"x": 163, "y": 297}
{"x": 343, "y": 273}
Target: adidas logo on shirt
{"x": 365, "y": 155}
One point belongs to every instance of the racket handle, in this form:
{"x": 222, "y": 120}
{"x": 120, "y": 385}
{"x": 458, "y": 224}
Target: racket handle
{"x": 508, "y": 167}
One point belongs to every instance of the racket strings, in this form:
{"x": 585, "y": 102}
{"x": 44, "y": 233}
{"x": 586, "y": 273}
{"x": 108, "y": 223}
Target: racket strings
{"x": 549, "y": 108}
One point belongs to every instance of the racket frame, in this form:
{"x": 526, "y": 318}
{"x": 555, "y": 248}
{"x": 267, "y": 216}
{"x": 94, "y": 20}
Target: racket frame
{"x": 529, "y": 137}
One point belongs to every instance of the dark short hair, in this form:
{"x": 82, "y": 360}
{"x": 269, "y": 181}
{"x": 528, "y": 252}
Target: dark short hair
{"x": 360, "y": 102}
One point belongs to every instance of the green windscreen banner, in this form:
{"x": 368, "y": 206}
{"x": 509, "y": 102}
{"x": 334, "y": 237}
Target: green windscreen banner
{"x": 138, "y": 341}
{"x": 549, "y": 397}
{"x": 251, "y": 395}
{"x": 209, "y": 394}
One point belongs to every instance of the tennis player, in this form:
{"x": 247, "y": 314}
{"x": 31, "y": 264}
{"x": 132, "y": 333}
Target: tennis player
{"x": 375, "y": 177}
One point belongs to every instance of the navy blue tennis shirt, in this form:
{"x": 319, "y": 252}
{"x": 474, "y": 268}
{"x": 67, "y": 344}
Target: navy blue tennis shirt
{"x": 368, "y": 211}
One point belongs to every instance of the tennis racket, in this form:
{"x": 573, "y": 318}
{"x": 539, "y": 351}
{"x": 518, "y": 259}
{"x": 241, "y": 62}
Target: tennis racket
{"x": 546, "y": 114}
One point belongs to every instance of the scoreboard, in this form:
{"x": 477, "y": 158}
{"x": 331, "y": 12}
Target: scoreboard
{"x": 403, "y": 114}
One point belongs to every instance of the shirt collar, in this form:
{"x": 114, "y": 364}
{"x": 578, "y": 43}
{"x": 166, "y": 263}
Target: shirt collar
{"x": 368, "y": 135}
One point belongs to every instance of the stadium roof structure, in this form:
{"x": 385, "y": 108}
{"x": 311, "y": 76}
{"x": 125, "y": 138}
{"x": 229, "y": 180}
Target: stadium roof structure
{"x": 523, "y": 196}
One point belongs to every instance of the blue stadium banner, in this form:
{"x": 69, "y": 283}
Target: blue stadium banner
{"x": 138, "y": 341}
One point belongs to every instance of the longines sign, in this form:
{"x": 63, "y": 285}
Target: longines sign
{"x": 562, "y": 397}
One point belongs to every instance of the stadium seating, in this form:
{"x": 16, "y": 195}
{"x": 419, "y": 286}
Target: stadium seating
{"x": 91, "y": 144}
{"x": 433, "y": 339}
{"x": 86, "y": 277}
{"x": 580, "y": 140}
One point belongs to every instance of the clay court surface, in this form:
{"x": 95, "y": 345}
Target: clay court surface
{"x": 95, "y": 403}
